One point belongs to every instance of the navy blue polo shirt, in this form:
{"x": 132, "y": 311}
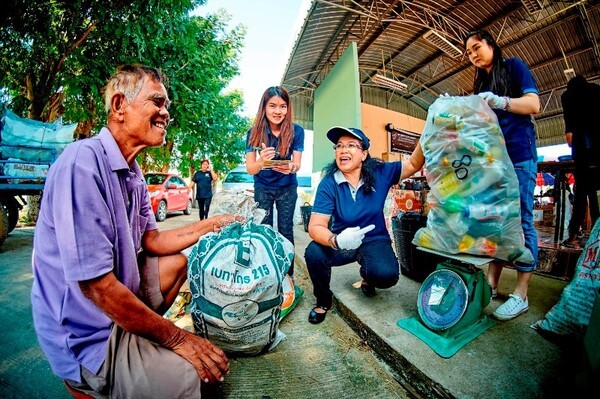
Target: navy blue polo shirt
{"x": 518, "y": 130}
{"x": 335, "y": 198}
{"x": 270, "y": 179}
{"x": 203, "y": 182}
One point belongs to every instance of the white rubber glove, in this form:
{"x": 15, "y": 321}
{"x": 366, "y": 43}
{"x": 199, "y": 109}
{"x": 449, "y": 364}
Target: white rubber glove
{"x": 352, "y": 237}
{"x": 494, "y": 101}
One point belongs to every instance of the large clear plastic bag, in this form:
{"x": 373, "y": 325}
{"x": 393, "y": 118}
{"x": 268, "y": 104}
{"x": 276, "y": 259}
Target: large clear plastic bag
{"x": 474, "y": 203}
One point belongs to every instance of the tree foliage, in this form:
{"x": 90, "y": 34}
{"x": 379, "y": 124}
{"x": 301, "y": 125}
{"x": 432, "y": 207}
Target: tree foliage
{"x": 56, "y": 56}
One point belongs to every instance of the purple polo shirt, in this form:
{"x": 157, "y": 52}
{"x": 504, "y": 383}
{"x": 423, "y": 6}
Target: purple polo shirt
{"x": 94, "y": 212}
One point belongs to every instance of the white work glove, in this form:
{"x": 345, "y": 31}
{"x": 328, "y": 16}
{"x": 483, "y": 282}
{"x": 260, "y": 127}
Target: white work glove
{"x": 494, "y": 101}
{"x": 352, "y": 237}
{"x": 444, "y": 95}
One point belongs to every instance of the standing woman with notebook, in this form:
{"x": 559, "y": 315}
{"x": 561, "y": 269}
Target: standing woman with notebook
{"x": 274, "y": 148}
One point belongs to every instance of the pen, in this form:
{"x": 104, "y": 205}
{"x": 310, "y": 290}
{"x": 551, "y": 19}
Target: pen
{"x": 259, "y": 149}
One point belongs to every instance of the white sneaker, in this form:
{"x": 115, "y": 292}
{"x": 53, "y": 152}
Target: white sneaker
{"x": 510, "y": 309}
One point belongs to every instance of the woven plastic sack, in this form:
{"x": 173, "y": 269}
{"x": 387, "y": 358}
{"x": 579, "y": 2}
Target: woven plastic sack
{"x": 18, "y": 131}
{"x": 240, "y": 203}
{"x": 236, "y": 277}
{"x": 474, "y": 198}
{"x": 570, "y": 316}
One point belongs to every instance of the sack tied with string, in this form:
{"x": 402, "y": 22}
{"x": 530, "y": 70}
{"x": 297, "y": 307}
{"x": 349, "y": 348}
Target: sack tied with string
{"x": 236, "y": 279}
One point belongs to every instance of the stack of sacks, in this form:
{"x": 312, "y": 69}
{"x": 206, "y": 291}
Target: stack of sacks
{"x": 474, "y": 197}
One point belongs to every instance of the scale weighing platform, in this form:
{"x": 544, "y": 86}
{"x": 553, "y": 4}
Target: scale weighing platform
{"x": 450, "y": 304}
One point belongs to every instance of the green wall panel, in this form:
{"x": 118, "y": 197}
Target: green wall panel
{"x": 336, "y": 103}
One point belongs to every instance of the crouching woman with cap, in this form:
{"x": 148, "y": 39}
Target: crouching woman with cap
{"x": 352, "y": 192}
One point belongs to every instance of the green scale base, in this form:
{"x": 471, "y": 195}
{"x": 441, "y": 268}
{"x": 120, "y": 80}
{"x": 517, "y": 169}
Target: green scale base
{"x": 451, "y": 303}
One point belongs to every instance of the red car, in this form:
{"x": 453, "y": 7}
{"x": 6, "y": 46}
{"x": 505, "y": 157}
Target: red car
{"x": 168, "y": 193}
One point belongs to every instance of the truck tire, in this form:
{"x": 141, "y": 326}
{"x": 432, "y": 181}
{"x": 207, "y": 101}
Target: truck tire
{"x": 3, "y": 223}
{"x": 12, "y": 209}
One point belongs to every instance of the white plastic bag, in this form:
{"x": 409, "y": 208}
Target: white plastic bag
{"x": 240, "y": 203}
{"x": 474, "y": 203}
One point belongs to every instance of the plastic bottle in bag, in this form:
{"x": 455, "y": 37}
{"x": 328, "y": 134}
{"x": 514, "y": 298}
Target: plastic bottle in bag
{"x": 491, "y": 228}
{"x": 476, "y": 146}
{"x": 486, "y": 212}
{"x": 458, "y": 204}
{"x": 479, "y": 246}
{"x": 448, "y": 121}
{"x": 475, "y": 181}
{"x": 458, "y": 224}
{"x": 485, "y": 246}
{"x": 448, "y": 145}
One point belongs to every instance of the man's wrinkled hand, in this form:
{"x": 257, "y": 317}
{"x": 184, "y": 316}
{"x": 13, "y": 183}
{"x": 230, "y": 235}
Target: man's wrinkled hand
{"x": 220, "y": 221}
{"x": 210, "y": 362}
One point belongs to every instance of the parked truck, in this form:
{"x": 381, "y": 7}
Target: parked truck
{"x": 27, "y": 150}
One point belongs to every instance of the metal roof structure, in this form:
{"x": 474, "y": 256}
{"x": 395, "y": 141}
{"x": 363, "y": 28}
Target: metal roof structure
{"x": 410, "y": 52}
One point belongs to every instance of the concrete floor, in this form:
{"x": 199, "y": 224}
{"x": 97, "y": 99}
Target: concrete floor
{"x": 367, "y": 356}
{"x": 509, "y": 360}
{"x": 326, "y": 361}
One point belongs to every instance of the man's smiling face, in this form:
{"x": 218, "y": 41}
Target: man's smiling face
{"x": 146, "y": 117}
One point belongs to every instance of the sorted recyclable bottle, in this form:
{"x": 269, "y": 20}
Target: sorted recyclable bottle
{"x": 448, "y": 121}
{"x": 476, "y": 146}
{"x": 479, "y": 246}
{"x": 486, "y": 212}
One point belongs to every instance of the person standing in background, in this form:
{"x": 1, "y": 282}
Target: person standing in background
{"x": 274, "y": 137}
{"x": 580, "y": 103}
{"x": 203, "y": 179}
{"x": 508, "y": 87}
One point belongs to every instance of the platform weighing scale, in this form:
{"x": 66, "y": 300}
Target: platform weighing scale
{"x": 450, "y": 304}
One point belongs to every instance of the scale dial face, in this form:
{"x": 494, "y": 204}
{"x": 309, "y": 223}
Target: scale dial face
{"x": 443, "y": 299}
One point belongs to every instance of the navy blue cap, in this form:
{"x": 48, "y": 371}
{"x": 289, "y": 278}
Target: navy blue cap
{"x": 336, "y": 132}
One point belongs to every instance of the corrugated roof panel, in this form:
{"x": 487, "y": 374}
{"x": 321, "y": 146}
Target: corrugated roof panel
{"x": 390, "y": 34}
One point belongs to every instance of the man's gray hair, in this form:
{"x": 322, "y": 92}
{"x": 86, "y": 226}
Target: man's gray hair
{"x": 129, "y": 80}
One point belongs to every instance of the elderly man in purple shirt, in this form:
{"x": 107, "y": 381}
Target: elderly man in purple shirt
{"x": 104, "y": 274}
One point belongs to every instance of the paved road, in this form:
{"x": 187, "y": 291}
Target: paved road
{"x": 324, "y": 361}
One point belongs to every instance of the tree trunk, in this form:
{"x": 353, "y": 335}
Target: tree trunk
{"x": 33, "y": 207}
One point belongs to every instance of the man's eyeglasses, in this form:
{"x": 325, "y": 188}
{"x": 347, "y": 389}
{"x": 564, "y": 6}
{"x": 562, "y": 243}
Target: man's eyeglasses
{"x": 349, "y": 147}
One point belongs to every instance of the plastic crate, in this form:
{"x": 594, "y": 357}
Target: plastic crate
{"x": 414, "y": 263}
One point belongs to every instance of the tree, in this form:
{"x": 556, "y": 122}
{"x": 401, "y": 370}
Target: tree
{"x": 56, "y": 55}
{"x": 200, "y": 64}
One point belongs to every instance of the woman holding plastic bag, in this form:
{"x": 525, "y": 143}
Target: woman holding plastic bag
{"x": 508, "y": 87}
